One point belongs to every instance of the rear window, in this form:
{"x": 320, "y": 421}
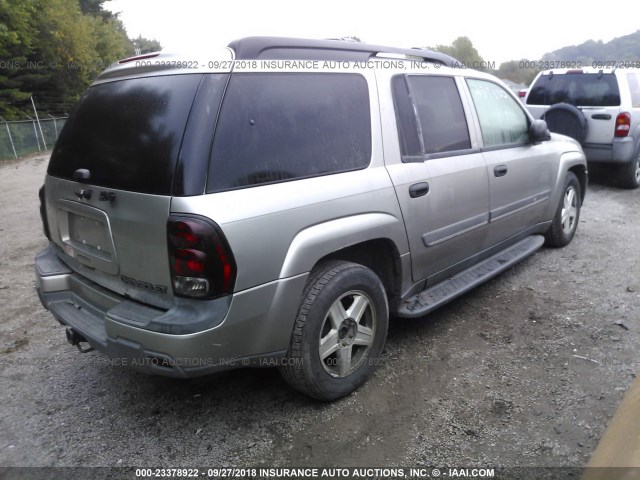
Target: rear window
{"x": 579, "y": 89}
{"x": 127, "y": 133}
{"x": 276, "y": 127}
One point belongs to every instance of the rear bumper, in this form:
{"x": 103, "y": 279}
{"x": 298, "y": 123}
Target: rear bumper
{"x": 620, "y": 152}
{"x": 255, "y": 329}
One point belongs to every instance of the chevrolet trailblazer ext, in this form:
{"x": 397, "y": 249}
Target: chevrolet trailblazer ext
{"x": 209, "y": 215}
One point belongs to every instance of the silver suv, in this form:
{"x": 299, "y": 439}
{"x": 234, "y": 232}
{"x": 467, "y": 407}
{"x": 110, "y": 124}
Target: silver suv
{"x": 598, "y": 107}
{"x": 273, "y": 207}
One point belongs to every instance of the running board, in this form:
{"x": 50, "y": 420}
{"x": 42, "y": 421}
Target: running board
{"x": 433, "y": 297}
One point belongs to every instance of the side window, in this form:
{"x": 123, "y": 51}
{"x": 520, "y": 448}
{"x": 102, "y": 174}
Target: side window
{"x": 405, "y": 118}
{"x": 502, "y": 121}
{"x": 429, "y": 115}
{"x": 275, "y": 127}
{"x": 440, "y": 113}
{"x": 634, "y": 86}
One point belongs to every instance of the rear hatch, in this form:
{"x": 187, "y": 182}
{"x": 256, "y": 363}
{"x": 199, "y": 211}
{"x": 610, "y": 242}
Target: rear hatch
{"x": 596, "y": 94}
{"x": 110, "y": 180}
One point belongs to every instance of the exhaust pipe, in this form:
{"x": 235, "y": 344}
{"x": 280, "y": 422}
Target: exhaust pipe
{"x": 74, "y": 338}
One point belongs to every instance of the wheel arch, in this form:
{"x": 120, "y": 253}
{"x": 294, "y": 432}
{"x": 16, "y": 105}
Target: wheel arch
{"x": 374, "y": 240}
{"x": 580, "y": 171}
{"x": 381, "y": 256}
{"x": 571, "y": 161}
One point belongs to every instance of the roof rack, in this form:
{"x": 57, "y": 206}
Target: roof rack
{"x": 277, "y": 48}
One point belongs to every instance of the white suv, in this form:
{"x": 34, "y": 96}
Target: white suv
{"x": 598, "y": 107}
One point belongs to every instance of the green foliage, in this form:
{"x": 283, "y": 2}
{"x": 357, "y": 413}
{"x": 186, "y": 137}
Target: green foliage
{"x": 144, "y": 45}
{"x": 17, "y": 30}
{"x": 518, "y": 71}
{"x": 52, "y": 49}
{"x": 462, "y": 49}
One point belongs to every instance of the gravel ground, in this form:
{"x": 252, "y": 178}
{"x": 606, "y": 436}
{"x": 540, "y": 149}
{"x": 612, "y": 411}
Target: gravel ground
{"x": 525, "y": 370}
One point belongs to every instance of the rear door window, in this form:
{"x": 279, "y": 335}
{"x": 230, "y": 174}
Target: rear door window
{"x": 579, "y": 89}
{"x": 276, "y": 127}
{"x": 127, "y": 133}
{"x": 432, "y": 106}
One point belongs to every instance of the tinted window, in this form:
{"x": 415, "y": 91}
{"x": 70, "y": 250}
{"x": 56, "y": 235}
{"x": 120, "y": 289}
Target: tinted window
{"x": 127, "y": 133}
{"x": 277, "y": 127}
{"x": 579, "y": 89}
{"x": 502, "y": 120}
{"x": 440, "y": 114}
{"x": 405, "y": 118}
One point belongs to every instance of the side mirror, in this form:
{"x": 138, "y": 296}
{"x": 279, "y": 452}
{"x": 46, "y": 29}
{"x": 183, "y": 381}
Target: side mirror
{"x": 539, "y": 132}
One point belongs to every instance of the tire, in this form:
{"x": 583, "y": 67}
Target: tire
{"x": 629, "y": 176}
{"x": 565, "y": 221}
{"x": 567, "y": 120}
{"x": 339, "y": 333}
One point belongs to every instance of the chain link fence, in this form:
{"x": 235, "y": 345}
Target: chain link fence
{"x": 24, "y": 137}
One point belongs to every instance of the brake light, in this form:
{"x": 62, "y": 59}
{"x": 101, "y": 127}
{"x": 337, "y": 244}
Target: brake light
{"x": 522, "y": 93}
{"x": 623, "y": 124}
{"x": 201, "y": 261}
{"x": 139, "y": 57}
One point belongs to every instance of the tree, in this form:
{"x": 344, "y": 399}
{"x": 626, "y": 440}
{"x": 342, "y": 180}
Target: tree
{"x": 518, "y": 71}
{"x": 66, "y": 59}
{"x": 144, "y": 45}
{"x": 462, "y": 49}
{"x": 52, "y": 49}
{"x": 95, "y": 8}
{"x": 17, "y": 30}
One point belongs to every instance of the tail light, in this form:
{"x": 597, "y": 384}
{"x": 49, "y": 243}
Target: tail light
{"x": 201, "y": 262}
{"x": 43, "y": 213}
{"x": 623, "y": 124}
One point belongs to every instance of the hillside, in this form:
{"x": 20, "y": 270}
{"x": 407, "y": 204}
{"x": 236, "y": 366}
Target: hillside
{"x": 625, "y": 48}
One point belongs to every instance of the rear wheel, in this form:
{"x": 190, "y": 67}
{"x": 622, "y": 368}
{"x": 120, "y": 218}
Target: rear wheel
{"x": 630, "y": 174}
{"x": 564, "y": 224}
{"x": 339, "y": 332}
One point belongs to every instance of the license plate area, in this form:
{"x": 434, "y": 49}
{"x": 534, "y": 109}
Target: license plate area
{"x": 85, "y": 232}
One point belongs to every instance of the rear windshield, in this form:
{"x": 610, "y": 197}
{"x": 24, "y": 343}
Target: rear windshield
{"x": 579, "y": 89}
{"x": 127, "y": 133}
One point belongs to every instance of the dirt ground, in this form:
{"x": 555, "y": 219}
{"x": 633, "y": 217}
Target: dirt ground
{"x": 525, "y": 370}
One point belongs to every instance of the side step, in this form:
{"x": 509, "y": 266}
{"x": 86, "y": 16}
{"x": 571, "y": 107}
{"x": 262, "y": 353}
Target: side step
{"x": 433, "y": 297}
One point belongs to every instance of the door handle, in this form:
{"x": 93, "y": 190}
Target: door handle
{"x": 418, "y": 189}
{"x": 601, "y": 116}
{"x": 500, "y": 171}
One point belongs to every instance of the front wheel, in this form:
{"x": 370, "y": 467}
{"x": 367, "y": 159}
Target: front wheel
{"x": 565, "y": 222}
{"x": 339, "y": 332}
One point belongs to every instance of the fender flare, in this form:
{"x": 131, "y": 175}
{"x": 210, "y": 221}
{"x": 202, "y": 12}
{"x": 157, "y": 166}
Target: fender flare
{"x": 318, "y": 241}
